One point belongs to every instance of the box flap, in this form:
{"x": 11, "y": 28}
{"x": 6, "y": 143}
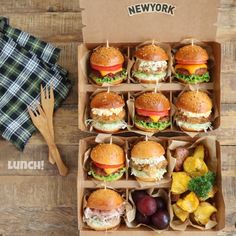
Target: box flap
{"x": 139, "y": 20}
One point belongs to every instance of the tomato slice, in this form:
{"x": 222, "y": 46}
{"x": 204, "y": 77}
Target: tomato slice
{"x": 186, "y": 62}
{"x": 143, "y": 112}
{"x": 103, "y": 166}
{"x": 106, "y": 68}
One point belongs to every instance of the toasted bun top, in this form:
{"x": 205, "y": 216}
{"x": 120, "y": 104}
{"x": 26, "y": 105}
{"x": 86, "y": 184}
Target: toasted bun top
{"x": 106, "y": 56}
{"x": 107, "y": 100}
{"x": 194, "y": 101}
{"x": 104, "y": 199}
{"x": 108, "y": 154}
{"x": 147, "y": 149}
{"x": 191, "y": 53}
{"x": 151, "y": 53}
{"x": 152, "y": 102}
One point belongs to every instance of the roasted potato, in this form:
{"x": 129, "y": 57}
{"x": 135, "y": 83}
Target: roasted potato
{"x": 180, "y": 182}
{"x": 189, "y": 203}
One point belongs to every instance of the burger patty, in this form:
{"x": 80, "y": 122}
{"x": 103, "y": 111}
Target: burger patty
{"x": 192, "y": 120}
{"x": 108, "y": 119}
{"x": 183, "y": 71}
{"x": 149, "y": 119}
{"x": 147, "y": 167}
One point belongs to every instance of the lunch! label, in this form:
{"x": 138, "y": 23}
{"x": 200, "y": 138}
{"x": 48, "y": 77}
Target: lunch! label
{"x": 151, "y": 8}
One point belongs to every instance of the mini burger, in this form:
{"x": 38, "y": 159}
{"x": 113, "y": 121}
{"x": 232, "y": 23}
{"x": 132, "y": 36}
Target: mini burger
{"x": 107, "y": 112}
{"x": 194, "y": 111}
{"x": 107, "y": 66}
{"x": 150, "y": 65}
{"x": 104, "y": 209}
{"x": 191, "y": 64}
{"x": 147, "y": 161}
{"x": 152, "y": 112}
{"x": 107, "y": 162}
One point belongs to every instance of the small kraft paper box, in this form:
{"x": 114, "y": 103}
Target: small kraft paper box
{"x": 127, "y": 24}
{"x": 86, "y": 184}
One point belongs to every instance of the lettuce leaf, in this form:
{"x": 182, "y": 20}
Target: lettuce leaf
{"x": 153, "y": 125}
{"x": 194, "y": 79}
{"x": 106, "y": 79}
{"x": 143, "y": 75}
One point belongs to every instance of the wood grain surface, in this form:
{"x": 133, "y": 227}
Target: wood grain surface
{"x": 40, "y": 202}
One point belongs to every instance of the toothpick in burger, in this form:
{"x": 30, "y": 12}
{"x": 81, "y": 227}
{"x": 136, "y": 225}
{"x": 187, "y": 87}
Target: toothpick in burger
{"x": 194, "y": 111}
{"x": 103, "y": 209}
{"x": 148, "y": 162}
{"x": 107, "y": 66}
{"x": 150, "y": 65}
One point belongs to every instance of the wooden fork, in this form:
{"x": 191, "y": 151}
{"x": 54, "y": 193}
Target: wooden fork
{"x": 40, "y": 121}
{"x": 47, "y": 102}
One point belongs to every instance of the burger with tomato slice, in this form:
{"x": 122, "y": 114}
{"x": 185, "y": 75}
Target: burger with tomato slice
{"x": 103, "y": 210}
{"x": 194, "y": 111}
{"x": 191, "y": 64}
{"x": 150, "y": 65}
{"x": 107, "y": 112}
{"x": 107, "y": 162}
{"x": 107, "y": 66}
{"x": 152, "y": 112}
{"x": 148, "y": 162}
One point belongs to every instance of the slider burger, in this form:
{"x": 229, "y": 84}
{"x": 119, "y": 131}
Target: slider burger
{"x": 104, "y": 209}
{"x": 150, "y": 65}
{"x": 152, "y": 112}
{"x": 194, "y": 111}
{"x": 191, "y": 64}
{"x": 106, "y": 66}
{"x": 147, "y": 161}
{"x": 107, "y": 162}
{"x": 107, "y": 112}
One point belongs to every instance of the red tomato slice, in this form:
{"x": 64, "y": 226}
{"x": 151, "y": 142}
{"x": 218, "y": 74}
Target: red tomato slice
{"x": 183, "y": 62}
{"x": 102, "y": 166}
{"x": 142, "y": 112}
{"x": 107, "y": 68}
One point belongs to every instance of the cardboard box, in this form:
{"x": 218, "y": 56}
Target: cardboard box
{"x": 125, "y": 24}
{"x": 85, "y": 184}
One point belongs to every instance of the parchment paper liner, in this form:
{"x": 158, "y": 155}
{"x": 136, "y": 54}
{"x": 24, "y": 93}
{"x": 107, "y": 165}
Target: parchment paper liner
{"x": 211, "y": 161}
{"x": 165, "y": 182}
{"x": 106, "y": 138}
{"x": 164, "y": 46}
{"x": 84, "y": 60}
{"x": 86, "y": 115}
{"x": 188, "y": 41}
{"x": 131, "y": 211}
{"x": 86, "y": 195}
{"x": 215, "y": 111}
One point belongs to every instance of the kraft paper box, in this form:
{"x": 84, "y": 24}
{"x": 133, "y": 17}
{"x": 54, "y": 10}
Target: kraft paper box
{"x": 126, "y": 24}
{"x": 86, "y": 184}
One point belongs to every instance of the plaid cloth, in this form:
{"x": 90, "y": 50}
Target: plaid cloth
{"x": 25, "y": 64}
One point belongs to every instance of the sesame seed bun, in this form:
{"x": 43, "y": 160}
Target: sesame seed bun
{"x": 151, "y": 53}
{"x": 147, "y": 149}
{"x": 108, "y": 154}
{"x": 146, "y": 179}
{"x": 106, "y": 56}
{"x": 191, "y": 53}
{"x": 194, "y": 101}
{"x": 104, "y": 200}
{"x": 152, "y": 102}
{"x": 107, "y": 100}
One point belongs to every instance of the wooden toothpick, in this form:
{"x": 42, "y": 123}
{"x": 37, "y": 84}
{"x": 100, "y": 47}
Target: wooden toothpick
{"x": 146, "y": 138}
{"x": 108, "y": 89}
{"x": 153, "y": 42}
{"x": 107, "y": 44}
{"x": 111, "y": 140}
{"x": 192, "y": 42}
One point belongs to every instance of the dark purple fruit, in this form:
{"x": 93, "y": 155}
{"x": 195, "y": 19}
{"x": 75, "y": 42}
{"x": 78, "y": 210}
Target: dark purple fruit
{"x": 161, "y": 219}
{"x": 138, "y": 195}
{"x": 147, "y": 205}
{"x": 161, "y": 204}
{"x": 142, "y": 219}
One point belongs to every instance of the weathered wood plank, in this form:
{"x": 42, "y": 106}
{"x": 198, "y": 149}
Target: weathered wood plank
{"x": 53, "y": 27}
{"x": 34, "y": 6}
{"x": 38, "y": 221}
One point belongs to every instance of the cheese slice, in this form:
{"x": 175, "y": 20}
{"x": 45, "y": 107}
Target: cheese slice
{"x": 191, "y": 68}
{"x": 155, "y": 118}
{"x": 103, "y": 72}
{"x": 111, "y": 170}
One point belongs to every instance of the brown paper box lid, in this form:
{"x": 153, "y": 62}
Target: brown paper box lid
{"x": 167, "y": 21}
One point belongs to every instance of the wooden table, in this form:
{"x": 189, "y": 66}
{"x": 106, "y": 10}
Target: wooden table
{"x": 40, "y": 202}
